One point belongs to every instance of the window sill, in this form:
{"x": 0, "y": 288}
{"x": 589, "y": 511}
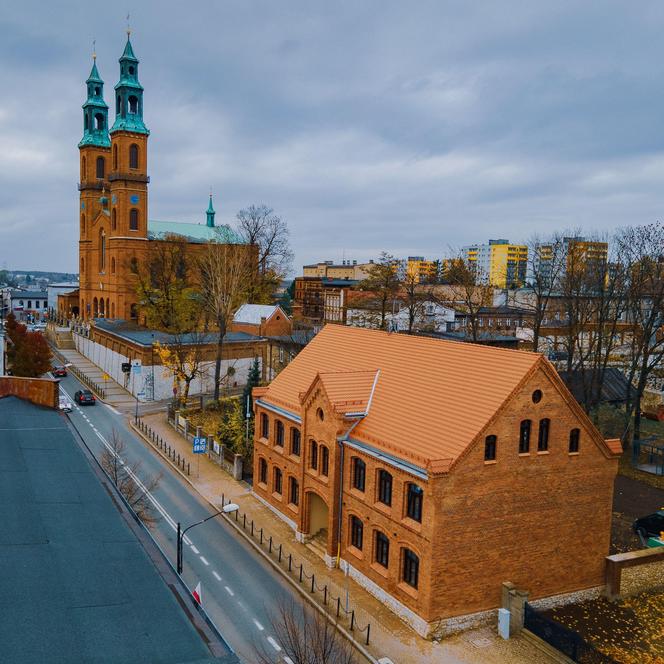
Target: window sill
{"x": 263, "y": 485}
{"x": 490, "y": 462}
{"x": 264, "y": 441}
{"x": 379, "y": 569}
{"x": 293, "y": 508}
{"x": 383, "y": 508}
{"x": 357, "y": 493}
{"x": 572, "y": 454}
{"x": 355, "y": 552}
{"x": 277, "y": 496}
{"x": 279, "y": 448}
{"x": 407, "y": 589}
{"x": 542, "y": 452}
{"x": 415, "y": 526}
{"x": 295, "y": 457}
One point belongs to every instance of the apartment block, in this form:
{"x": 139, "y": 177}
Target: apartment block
{"x": 499, "y": 263}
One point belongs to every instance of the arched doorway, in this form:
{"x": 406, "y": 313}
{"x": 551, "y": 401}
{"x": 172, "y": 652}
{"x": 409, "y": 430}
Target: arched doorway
{"x": 318, "y": 515}
{"x": 95, "y": 308}
{"x": 101, "y": 308}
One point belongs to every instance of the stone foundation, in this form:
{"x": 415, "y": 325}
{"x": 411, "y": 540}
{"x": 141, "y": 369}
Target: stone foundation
{"x": 575, "y": 597}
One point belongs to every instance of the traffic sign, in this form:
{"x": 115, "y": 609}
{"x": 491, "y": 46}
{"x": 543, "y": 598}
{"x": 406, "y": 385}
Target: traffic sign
{"x": 200, "y": 445}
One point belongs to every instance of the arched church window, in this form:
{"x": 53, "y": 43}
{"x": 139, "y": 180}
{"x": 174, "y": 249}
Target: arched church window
{"x": 115, "y": 157}
{"x": 133, "y": 156}
{"x": 101, "y": 168}
{"x": 133, "y": 104}
{"x": 131, "y": 70}
{"x": 97, "y": 90}
{"x": 112, "y": 265}
{"x": 102, "y": 251}
{"x": 95, "y": 308}
{"x": 101, "y": 308}
{"x": 99, "y": 121}
{"x": 114, "y": 219}
{"x": 85, "y": 122}
{"x": 118, "y": 103}
{"x": 82, "y": 223}
{"x": 84, "y": 168}
{"x": 133, "y": 219}
{"x": 82, "y": 265}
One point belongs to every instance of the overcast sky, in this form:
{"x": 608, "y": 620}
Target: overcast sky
{"x": 400, "y": 126}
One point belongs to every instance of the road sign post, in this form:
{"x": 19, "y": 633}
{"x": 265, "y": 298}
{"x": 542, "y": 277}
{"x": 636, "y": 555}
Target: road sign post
{"x": 199, "y": 447}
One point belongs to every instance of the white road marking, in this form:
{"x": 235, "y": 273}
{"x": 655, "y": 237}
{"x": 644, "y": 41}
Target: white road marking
{"x": 194, "y": 549}
{"x": 229, "y": 591}
{"x": 260, "y": 627}
{"x": 205, "y": 562}
{"x": 273, "y": 643}
{"x": 117, "y": 412}
{"x": 288, "y": 660}
{"x": 216, "y": 576}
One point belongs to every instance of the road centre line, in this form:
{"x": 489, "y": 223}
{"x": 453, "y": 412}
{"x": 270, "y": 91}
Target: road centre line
{"x": 205, "y": 562}
{"x": 194, "y": 549}
{"x": 216, "y": 576}
{"x": 229, "y": 591}
{"x": 273, "y": 643}
{"x": 260, "y": 627}
{"x": 288, "y": 660}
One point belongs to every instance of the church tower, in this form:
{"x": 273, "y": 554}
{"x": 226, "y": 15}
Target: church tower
{"x": 128, "y": 180}
{"x": 94, "y": 150}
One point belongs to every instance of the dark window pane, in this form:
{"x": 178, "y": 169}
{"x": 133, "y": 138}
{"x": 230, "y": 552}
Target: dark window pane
{"x": 265, "y": 426}
{"x": 414, "y": 502}
{"x": 524, "y": 437}
{"x": 359, "y": 474}
{"x": 384, "y": 487}
{"x": 382, "y": 549}
{"x": 133, "y": 219}
{"x": 294, "y": 491}
{"x": 574, "y": 436}
{"x": 279, "y": 433}
{"x": 490, "y": 448}
{"x": 262, "y": 470}
{"x": 356, "y": 532}
{"x": 543, "y": 437}
{"x": 313, "y": 454}
{"x": 324, "y": 460}
{"x": 295, "y": 441}
{"x": 411, "y": 568}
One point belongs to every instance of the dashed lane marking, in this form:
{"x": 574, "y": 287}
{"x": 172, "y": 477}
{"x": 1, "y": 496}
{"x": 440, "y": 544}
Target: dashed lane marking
{"x": 194, "y": 549}
{"x": 205, "y": 562}
{"x": 260, "y": 627}
{"x": 216, "y": 576}
{"x": 273, "y": 643}
{"x": 229, "y": 591}
{"x": 288, "y": 660}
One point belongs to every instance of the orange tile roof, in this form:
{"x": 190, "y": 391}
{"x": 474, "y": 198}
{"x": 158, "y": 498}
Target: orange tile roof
{"x": 431, "y": 399}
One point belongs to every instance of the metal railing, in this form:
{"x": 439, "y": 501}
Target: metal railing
{"x": 333, "y": 606}
{"x": 155, "y": 439}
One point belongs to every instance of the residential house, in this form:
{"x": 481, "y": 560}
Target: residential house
{"x": 435, "y": 471}
{"x": 29, "y": 306}
{"x": 261, "y": 320}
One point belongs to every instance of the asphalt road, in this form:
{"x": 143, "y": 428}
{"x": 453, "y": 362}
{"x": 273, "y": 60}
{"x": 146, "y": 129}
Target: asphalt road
{"x": 239, "y": 589}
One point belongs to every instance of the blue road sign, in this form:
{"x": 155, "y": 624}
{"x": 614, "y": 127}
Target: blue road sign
{"x": 200, "y": 445}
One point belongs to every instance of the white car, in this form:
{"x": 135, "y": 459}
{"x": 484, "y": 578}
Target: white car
{"x": 65, "y": 405}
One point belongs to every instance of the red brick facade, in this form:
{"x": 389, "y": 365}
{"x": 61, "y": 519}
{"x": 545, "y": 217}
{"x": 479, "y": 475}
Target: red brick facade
{"x": 540, "y": 519}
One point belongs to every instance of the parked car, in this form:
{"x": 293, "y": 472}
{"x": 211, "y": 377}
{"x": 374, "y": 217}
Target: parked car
{"x": 85, "y": 398}
{"x": 651, "y": 525}
{"x": 64, "y": 405}
{"x": 59, "y": 372}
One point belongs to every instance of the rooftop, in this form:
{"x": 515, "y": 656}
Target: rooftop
{"x": 431, "y": 398}
{"x": 157, "y": 230}
{"x": 18, "y": 294}
{"x": 83, "y": 586}
{"x": 145, "y": 337}
{"x": 252, "y": 313}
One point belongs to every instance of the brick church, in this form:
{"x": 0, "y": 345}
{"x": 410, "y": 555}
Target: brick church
{"x": 115, "y": 230}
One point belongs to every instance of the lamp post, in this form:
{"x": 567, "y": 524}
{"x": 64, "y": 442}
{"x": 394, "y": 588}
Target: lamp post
{"x": 152, "y": 364}
{"x": 227, "y": 509}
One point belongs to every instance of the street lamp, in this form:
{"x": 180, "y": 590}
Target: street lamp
{"x": 227, "y": 509}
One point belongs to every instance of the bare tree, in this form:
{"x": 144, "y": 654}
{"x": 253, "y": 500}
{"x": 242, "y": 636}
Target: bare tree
{"x": 225, "y": 273}
{"x": 126, "y": 478}
{"x": 641, "y": 251}
{"x": 268, "y": 234}
{"x": 382, "y": 279}
{"x": 467, "y": 295}
{"x": 415, "y": 298}
{"x": 306, "y": 636}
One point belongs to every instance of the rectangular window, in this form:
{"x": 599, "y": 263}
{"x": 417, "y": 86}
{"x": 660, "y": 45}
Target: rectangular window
{"x": 490, "y": 448}
{"x": 411, "y": 568}
{"x": 295, "y": 441}
{"x": 277, "y": 481}
{"x": 262, "y": 471}
{"x": 294, "y": 491}
{"x": 265, "y": 426}
{"x": 543, "y": 437}
{"x": 384, "y": 487}
{"x": 279, "y": 433}
{"x": 281, "y": 355}
{"x": 359, "y": 474}
{"x": 356, "y": 532}
{"x": 524, "y": 437}
{"x": 324, "y": 461}
{"x": 382, "y": 549}
{"x": 414, "y": 502}
{"x": 313, "y": 454}
{"x": 574, "y": 436}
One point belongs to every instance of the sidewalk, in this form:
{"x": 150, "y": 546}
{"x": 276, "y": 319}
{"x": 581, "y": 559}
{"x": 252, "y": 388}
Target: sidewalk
{"x": 389, "y": 635}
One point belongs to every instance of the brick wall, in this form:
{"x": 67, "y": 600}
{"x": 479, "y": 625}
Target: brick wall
{"x": 40, "y": 391}
{"x": 540, "y": 520}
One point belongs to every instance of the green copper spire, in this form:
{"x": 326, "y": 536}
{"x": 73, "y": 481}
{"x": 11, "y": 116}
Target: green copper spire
{"x": 95, "y": 112}
{"x": 210, "y": 214}
{"x": 129, "y": 95}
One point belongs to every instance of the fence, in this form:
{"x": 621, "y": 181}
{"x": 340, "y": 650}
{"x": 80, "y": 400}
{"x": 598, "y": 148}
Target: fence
{"x": 159, "y": 443}
{"x": 332, "y": 605}
{"x": 565, "y": 640}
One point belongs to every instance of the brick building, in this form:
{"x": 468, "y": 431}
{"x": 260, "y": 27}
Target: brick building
{"x": 434, "y": 471}
{"x": 261, "y": 320}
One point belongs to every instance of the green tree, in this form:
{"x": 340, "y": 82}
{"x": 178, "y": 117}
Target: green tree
{"x": 253, "y": 380}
